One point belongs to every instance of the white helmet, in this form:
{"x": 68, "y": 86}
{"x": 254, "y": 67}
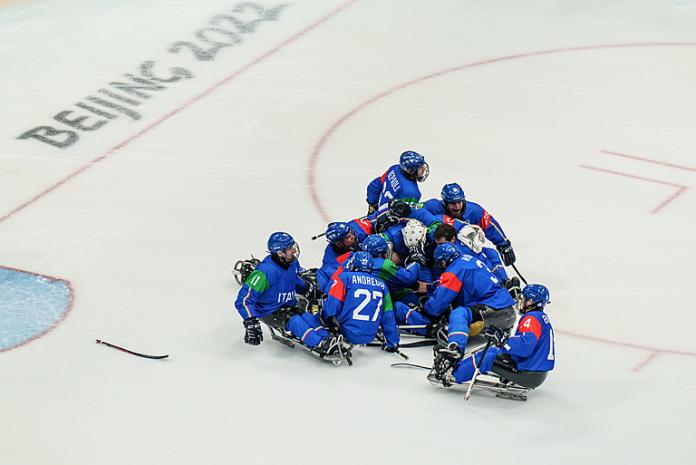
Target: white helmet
{"x": 473, "y": 237}
{"x": 414, "y": 233}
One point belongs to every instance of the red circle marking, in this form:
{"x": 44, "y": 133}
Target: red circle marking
{"x": 327, "y": 134}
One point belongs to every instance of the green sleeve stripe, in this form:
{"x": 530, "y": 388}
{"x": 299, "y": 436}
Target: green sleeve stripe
{"x": 388, "y": 270}
{"x": 433, "y": 226}
{"x": 257, "y": 281}
{"x": 388, "y": 306}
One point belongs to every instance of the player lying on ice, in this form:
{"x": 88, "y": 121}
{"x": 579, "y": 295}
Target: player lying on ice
{"x": 523, "y": 359}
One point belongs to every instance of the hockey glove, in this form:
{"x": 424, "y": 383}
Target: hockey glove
{"x": 332, "y": 325}
{"x": 507, "y": 253}
{"x": 385, "y": 221}
{"x": 513, "y": 286}
{"x": 400, "y": 208}
{"x": 496, "y": 335}
{"x": 254, "y": 334}
{"x": 416, "y": 256}
{"x": 390, "y": 349}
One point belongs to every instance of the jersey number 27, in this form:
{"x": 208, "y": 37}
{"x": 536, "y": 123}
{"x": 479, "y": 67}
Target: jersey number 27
{"x": 367, "y": 297}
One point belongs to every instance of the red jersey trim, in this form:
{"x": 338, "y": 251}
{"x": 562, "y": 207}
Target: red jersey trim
{"x": 485, "y": 220}
{"x": 529, "y": 324}
{"x": 450, "y": 281}
{"x": 365, "y": 225}
{"x": 338, "y": 290}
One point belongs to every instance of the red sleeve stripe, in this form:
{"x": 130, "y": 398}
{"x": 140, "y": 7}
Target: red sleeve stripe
{"x": 342, "y": 258}
{"x": 337, "y": 273}
{"x": 450, "y": 281}
{"x": 485, "y": 220}
{"x": 446, "y": 219}
{"x": 384, "y": 176}
{"x": 338, "y": 290}
{"x": 529, "y": 324}
{"x": 365, "y": 225}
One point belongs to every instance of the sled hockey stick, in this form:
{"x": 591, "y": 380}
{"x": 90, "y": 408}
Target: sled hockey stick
{"x": 410, "y": 365}
{"x": 114, "y": 346}
{"x": 314, "y": 238}
{"x": 519, "y": 274}
{"x": 477, "y": 371}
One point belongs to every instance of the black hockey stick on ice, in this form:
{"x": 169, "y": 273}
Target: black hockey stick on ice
{"x": 114, "y": 346}
{"x": 519, "y": 274}
{"x": 408, "y": 345}
{"x": 410, "y": 365}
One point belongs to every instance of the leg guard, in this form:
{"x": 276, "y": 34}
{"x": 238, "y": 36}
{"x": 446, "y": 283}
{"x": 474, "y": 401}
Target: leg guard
{"x": 458, "y": 328}
{"x": 406, "y": 315}
{"x": 465, "y": 369}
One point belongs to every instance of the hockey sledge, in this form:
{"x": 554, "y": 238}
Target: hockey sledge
{"x": 341, "y": 354}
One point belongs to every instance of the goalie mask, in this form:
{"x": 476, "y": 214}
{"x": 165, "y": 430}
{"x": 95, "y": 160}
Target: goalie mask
{"x": 473, "y": 237}
{"x": 414, "y": 233}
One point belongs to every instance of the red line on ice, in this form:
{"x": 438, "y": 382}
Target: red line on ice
{"x": 680, "y": 189}
{"x": 649, "y": 160}
{"x": 164, "y": 118}
{"x": 326, "y": 135}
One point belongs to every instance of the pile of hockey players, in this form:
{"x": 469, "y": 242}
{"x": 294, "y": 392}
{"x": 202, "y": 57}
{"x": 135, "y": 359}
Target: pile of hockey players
{"x": 408, "y": 268}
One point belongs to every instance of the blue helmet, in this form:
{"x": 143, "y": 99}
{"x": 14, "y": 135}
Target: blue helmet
{"x": 452, "y": 193}
{"x": 279, "y": 241}
{"x": 410, "y": 161}
{"x": 375, "y": 245}
{"x": 538, "y": 294}
{"x": 359, "y": 261}
{"x": 337, "y": 231}
{"x": 446, "y": 253}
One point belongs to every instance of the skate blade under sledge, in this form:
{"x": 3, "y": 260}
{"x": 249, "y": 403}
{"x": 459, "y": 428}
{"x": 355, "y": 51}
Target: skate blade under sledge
{"x": 510, "y": 391}
{"x": 343, "y": 354}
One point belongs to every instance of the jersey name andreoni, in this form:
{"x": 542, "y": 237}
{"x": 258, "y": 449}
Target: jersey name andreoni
{"x": 366, "y": 280}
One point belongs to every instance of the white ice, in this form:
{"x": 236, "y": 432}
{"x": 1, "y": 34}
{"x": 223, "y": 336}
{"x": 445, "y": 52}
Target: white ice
{"x": 283, "y": 131}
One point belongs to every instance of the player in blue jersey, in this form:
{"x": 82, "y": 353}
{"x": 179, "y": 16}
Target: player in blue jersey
{"x": 455, "y": 205}
{"x": 476, "y": 297}
{"x": 531, "y": 349}
{"x": 343, "y": 239}
{"x": 358, "y": 304}
{"x": 269, "y": 294}
{"x": 398, "y": 182}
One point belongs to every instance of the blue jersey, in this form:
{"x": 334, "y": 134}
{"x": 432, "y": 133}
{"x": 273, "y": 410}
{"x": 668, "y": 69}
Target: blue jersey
{"x": 394, "y": 276}
{"x": 392, "y": 185}
{"x": 473, "y": 214}
{"x": 332, "y": 260}
{"x": 490, "y": 257}
{"x": 532, "y": 347}
{"x": 361, "y": 303}
{"x": 465, "y": 282}
{"x": 268, "y": 288}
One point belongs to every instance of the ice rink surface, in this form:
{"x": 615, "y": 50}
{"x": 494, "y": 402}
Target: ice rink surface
{"x": 573, "y": 122}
